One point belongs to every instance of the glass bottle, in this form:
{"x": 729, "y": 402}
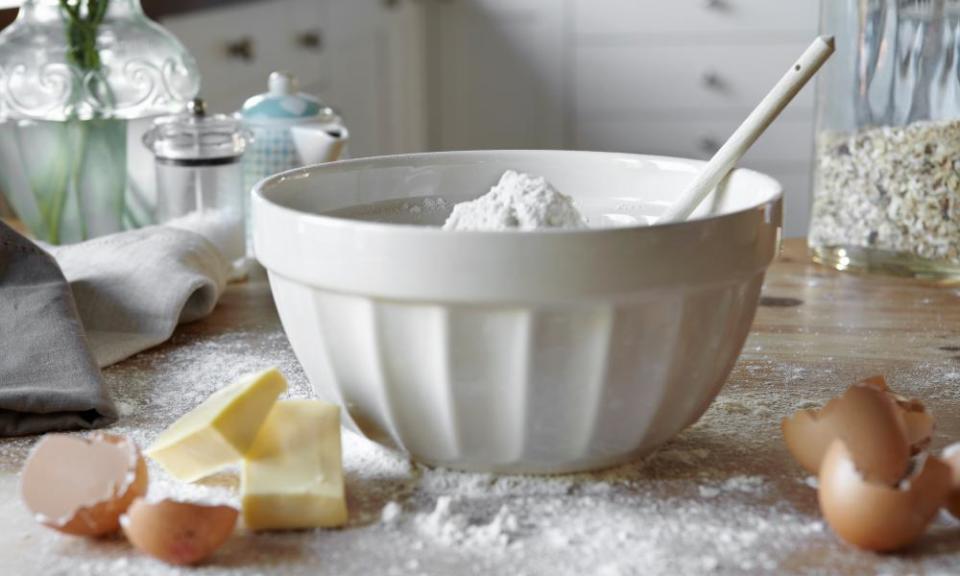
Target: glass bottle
{"x": 887, "y": 173}
{"x": 80, "y": 81}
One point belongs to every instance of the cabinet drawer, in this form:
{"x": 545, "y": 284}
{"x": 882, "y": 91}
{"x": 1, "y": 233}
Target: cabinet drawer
{"x": 237, "y": 47}
{"x": 786, "y": 141}
{"x": 231, "y": 47}
{"x": 305, "y": 42}
{"x": 681, "y": 77}
{"x": 600, "y": 17}
{"x": 497, "y": 72}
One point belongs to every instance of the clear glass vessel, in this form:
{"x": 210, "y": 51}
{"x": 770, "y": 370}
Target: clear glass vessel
{"x": 887, "y": 173}
{"x": 80, "y": 81}
{"x": 200, "y": 177}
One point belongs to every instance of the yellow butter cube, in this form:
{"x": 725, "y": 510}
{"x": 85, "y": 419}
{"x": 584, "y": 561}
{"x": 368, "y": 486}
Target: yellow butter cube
{"x": 219, "y": 431}
{"x": 293, "y": 475}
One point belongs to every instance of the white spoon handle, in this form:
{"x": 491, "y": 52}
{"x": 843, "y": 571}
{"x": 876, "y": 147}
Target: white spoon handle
{"x": 747, "y": 133}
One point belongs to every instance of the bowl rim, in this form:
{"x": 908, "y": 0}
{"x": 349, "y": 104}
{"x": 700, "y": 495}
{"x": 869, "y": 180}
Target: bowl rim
{"x": 259, "y": 191}
{"x": 410, "y": 263}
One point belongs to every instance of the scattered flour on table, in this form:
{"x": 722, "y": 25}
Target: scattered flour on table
{"x": 650, "y": 518}
{"x": 753, "y": 485}
{"x": 517, "y": 202}
{"x": 391, "y": 512}
{"x": 450, "y": 528}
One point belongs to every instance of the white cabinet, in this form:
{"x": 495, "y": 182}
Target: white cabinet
{"x": 787, "y": 141}
{"x": 496, "y": 74}
{"x": 364, "y": 57}
{"x": 695, "y": 19}
{"x": 650, "y": 76}
{"x": 305, "y": 41}
{"x": 678, "y": 77}
{"x": 645, "y": 76}
{"x": 377, "y": 77}
{"x": 235, "y": 47}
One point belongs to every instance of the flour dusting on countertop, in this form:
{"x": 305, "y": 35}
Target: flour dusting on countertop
{"x": 450, "y": 528}
{"x": 517, "y": 202}
{"x": 721, "y": 498}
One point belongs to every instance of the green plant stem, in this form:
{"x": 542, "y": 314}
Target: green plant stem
{"x": 57, "y": 179}
{"x": 80, "y": 148}
{"x": 82, "y": 21}
{"x": 82, "y": 31}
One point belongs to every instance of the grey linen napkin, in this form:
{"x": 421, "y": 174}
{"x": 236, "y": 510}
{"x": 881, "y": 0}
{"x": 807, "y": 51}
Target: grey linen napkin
{"x": 110, "y": 298}
{"x": 133, "y": 288}
{"x": 49, "y": 380}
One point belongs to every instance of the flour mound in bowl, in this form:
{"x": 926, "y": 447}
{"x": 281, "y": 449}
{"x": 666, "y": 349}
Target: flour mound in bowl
{"x": 517, "y": 202}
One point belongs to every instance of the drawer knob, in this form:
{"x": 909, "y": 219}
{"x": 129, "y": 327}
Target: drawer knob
{"x": 241, "y": 49}
{"x": 714, "y": 81}
{"x": 708, "y": 145}
{"x": 310, "y": 40}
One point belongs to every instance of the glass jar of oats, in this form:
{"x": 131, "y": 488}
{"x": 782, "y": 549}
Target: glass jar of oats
{"x": 886, "y": 192}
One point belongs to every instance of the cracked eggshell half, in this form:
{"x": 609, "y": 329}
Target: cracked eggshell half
{"x": 918, "y": 420}
{"x": 951, "y": 455}
{"x": 874, "y": 516}
{"x": 867, "y": 420}
{"x": 919, "y": 423}
{"x": 178, "y": 532}
{"x": 80, "y": 485}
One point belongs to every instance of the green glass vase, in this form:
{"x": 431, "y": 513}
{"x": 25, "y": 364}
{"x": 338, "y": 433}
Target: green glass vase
{"x": 80, "y": 82}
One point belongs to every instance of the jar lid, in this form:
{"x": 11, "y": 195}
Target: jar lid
{"x": 194, "y": 138}
{"x": 283, "y": 101}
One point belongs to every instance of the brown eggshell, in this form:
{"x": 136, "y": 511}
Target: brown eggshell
{"x": 951, "y": 455}
{"x": 178, "y": 532}
{"x": 867, "y": 420}
{"x": 919, "y": 422}
{"x": 82, "y": 486}
{"x": 878, "y": 382}
{"x": 807, "y": 437}
{"x": 877, "y": 517}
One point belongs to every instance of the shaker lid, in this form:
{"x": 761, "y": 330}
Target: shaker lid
{"x": 283, "y": 101}
{"x": 194, "y": 137}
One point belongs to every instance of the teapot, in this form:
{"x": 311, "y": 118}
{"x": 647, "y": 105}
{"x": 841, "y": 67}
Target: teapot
{"x": 290, "y": 129}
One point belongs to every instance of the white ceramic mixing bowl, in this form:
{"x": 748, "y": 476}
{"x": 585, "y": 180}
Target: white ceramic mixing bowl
{"x": 528, "y": 352}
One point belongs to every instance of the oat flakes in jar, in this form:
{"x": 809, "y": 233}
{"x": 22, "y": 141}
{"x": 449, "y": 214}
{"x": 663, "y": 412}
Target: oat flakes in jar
{"x": 886, "y": 194}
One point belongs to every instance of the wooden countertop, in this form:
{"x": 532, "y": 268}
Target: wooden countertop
{"x": 723, "y": 497}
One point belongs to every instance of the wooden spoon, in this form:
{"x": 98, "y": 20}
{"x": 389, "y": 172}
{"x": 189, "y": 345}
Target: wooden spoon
{"x": 747, "y": 133}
